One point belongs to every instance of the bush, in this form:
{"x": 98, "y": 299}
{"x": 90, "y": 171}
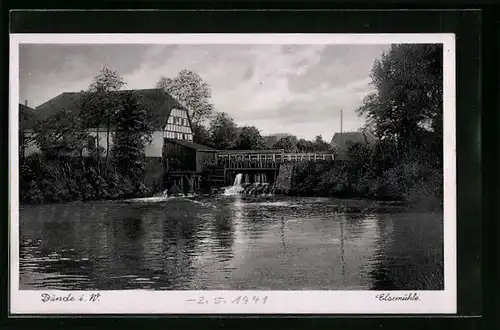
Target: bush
{"x": 417, "y": 184}
{"x": 56, "y": 180}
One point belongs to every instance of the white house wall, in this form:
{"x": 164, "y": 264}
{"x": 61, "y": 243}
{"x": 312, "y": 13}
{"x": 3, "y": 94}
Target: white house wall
{"x": 155, "y": 148}
{"x": 103, "y": 142}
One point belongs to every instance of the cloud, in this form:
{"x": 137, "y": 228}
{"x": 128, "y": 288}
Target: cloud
{"x": 299, "y": 89}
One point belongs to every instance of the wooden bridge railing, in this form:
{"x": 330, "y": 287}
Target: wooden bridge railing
{"x": 253, "y": 159}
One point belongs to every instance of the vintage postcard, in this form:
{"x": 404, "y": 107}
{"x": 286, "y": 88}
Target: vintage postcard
{"x": 232, "y": 173}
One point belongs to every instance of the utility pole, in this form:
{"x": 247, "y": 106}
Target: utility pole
{"x": 341, "y": 131}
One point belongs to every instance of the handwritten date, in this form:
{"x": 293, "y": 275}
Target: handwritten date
{"x": 238, "y": 300}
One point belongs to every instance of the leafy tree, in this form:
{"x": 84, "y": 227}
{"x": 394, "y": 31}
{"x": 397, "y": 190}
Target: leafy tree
{"x": 407, "y": 105}
{"x": 249, "y": 138}
{"x": 201, "y": 135}
{"x": 133, "y": 132}
{"x": 271, "y": 139}
{"x": 192, "y": 91}
{"x": 60, "y": 135}
{"x": 304, "y": 145}
{"x": 320, "y": 145}
{"x": 223, "y": 131}
{"x": 288, "y": 143}
{"x": 99, "y": 104}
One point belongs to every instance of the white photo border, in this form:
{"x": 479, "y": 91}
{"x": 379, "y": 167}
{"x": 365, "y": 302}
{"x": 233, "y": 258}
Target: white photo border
{"x": 277, "y": 302}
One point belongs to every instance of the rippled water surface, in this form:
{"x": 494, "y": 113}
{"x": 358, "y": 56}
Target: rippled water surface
{"x": 227, "y": 243}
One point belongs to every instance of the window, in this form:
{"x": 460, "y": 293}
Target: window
{"x": 170, "y": 120}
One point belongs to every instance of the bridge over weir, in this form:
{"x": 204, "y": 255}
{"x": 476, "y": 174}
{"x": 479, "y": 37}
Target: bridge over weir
{"x": 261, "y": 165}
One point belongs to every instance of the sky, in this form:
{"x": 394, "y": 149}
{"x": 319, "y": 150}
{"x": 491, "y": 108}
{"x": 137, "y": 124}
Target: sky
{"x": 295, "y": 89}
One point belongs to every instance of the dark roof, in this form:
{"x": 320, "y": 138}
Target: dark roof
{"x": 270, "y": 140}
{"x": 191, "y": 145}
{"x": 344, "y": 139}
{"x": 263, "y": 151}
{"x": 27, "y": 117}
{"x": 158, "y": 102}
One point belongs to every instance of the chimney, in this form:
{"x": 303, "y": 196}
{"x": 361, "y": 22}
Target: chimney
{"x": 26, "y": 102}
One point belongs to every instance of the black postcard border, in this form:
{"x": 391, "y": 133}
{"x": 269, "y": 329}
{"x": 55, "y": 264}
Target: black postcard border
{"x": 471, "y": 36}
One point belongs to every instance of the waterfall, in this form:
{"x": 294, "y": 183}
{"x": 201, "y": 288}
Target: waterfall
{"x": 236, "y": 188}
{"x": 237, "y": 180}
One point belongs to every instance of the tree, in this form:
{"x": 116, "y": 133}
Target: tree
{"x": 192, "y": 91}
{"x": 99, "y": 104}
{"x": 201, "y": 135}
{"x": 304, "y": 145}
{"x": 249, "y": 138}
{"x": 60, "y": 135}
{"x": 133, "y": 131}
{"x": 223, "y": 131}
{"x": 320, "y": 145}
{"x": 288, "y": 143}
{"x": 407, "y": 107}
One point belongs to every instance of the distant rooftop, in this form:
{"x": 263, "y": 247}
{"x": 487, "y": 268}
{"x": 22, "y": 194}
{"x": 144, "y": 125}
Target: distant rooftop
{"x": 340, "y": 139}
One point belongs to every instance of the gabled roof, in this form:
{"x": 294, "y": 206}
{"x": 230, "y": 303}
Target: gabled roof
{"x": 347, "y": 138}
{"x": 341, "y": 142}
{"x": 192, "y": 145}
{"x": 158, "y": 103}
{"x": 27, "y": 117}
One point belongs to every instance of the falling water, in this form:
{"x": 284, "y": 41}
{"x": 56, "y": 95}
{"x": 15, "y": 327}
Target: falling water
{"x": 236, "y": 188}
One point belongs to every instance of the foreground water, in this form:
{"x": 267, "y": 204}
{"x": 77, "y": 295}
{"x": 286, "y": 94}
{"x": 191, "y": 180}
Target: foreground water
{"x": 227, "y": 243}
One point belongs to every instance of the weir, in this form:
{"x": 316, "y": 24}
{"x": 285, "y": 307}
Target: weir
{"x": 236, "y": 188}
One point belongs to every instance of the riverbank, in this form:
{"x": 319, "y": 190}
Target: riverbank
{"x": 339, "y": 205}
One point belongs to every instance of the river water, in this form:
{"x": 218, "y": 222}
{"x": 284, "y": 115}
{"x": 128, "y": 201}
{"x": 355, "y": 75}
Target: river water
{"x": 227, "y": 243}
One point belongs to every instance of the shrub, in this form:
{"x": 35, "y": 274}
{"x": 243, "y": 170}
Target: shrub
{"x": 54, "y": 180}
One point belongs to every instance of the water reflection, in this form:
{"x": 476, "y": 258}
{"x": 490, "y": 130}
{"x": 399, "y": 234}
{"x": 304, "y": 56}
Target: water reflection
{"x": 409, "y": 254}
{"x": 227, "y": 243}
